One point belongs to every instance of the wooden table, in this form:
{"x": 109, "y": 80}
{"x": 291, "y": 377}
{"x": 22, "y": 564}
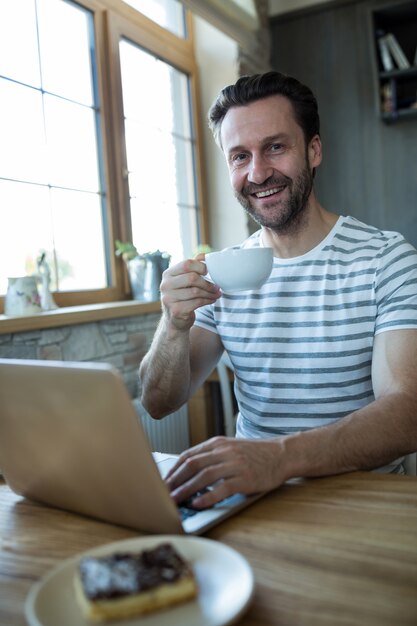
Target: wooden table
{"x": 327, "y": 552}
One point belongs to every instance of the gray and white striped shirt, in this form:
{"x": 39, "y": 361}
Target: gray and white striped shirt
{"x": 301, "y": 346}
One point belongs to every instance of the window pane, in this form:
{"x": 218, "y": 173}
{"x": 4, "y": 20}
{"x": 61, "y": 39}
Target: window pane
{"x": 169, "y": 86}
{"x": 79, "y": 240}
{"x": 72, "y": 144}
{"x": 52, "y": 140}
{"x": 189, "y": 230}
{"x": 148, "y": 236}
{"x": 25, "y": 228}
{"x": 180, "y": 96}
{"x": 177, "y": 232}
{"x": 160, "y": 154}
{"x": 150, "y": 157}
{"x": 66, "y": 225}
{"x": 22, "y": 145}
{"x": 65, "y": 50}
{"x": 184, "y": 171}
{"x": 167, "y": 13}
{"x": 19, "y": 58}
{"x": 137, "y": 104}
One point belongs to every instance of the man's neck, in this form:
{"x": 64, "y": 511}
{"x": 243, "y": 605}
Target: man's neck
{"x": 312, "y": 229}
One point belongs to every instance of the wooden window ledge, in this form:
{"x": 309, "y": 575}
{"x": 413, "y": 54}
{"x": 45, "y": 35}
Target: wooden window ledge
{"x": 67, "y": 316}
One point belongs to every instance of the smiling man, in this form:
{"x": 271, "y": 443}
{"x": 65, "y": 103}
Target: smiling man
{"x": 325, "y": 353}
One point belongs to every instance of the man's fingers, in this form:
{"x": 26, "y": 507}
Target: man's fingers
{"x": 223, "y": 489}
{"x": 227, "y": 466}
{"x": 199, "y": 470}
{"x": 217, "y": 491}
{"x": 188, "y": 460}
{"x": 214, "y": 468}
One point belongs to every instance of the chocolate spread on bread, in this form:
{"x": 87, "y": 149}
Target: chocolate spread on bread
{"x": 123, "y": 573}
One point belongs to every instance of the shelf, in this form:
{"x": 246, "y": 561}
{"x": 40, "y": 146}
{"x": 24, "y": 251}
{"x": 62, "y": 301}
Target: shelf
{"x": 400, "y": 114}
{"x": 67, "y": 316}
{"x": 411, "y": 72}
{"x": 394, "y": 32}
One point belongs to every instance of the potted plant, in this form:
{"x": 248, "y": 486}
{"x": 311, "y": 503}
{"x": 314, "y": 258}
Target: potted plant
{"x": 126, "y": 250}
{"x": 144, "y": 270}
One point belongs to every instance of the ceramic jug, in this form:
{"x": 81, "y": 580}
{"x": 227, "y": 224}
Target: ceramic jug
{"x": 145, "y": 275}
{"x": 22, "y": 297}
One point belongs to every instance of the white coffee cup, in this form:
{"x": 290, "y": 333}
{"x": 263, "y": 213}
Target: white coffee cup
{"x": 240, "y": 269}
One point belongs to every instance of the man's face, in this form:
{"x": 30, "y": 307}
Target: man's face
{"x": 269, "y": 164}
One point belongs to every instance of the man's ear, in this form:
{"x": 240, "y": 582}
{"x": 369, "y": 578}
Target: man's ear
{"x": 315, "y": 151}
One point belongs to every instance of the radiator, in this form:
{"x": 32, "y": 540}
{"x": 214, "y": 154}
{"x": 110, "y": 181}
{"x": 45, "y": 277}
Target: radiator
{"x": 170, "y": 434}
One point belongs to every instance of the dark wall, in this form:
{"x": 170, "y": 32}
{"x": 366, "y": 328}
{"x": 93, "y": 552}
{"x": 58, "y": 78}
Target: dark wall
{"x": 369, "y": 168}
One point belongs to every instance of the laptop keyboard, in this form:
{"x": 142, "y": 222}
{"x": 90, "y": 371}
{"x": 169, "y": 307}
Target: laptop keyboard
{"x": 186, "y": 508}
{"x": 185, "y": 512}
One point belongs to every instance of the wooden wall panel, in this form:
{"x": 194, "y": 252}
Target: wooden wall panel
{"x": 369, "y": 168}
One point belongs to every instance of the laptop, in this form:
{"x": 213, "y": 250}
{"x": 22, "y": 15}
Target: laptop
{"x": 71, "y": 438}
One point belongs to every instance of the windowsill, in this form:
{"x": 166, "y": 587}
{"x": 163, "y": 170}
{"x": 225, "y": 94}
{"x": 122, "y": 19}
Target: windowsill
{"x": 67, "y": 316}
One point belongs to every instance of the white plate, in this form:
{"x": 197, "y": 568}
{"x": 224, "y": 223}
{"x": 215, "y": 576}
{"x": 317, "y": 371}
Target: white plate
{"x": 224, "y": 577}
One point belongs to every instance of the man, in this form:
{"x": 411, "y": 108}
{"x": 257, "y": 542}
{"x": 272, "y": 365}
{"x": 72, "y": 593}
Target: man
{"x": 325, "y": 353}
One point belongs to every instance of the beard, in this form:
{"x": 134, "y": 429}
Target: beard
{"x": 282, "y": 216}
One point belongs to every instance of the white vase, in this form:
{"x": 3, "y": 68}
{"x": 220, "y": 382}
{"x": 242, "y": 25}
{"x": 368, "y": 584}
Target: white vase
{"x": 22, "y": 297}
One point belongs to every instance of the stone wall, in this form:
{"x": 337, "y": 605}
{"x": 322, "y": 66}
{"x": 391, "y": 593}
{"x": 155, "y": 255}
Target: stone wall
{"x": 123, "y": 342}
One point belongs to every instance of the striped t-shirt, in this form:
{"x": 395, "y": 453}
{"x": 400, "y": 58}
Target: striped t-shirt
{"x": 301, "y": 346}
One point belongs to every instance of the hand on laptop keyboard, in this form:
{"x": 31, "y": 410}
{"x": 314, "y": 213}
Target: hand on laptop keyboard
{"x": 186, "y": 508}
{"x": 188, "y": 503}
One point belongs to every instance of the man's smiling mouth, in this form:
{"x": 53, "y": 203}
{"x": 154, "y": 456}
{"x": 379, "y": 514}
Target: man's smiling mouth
{"x": 268, "y": 192}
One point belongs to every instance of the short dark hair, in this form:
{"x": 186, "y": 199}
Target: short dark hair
{"x": 258, "y": 86}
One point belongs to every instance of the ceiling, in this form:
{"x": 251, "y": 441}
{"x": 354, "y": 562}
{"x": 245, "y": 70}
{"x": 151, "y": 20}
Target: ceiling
{"x": 277, "y": 7}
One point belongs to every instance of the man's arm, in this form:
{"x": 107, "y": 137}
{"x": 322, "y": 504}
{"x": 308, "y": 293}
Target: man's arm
{"x": 376, "y": 434}
{"x": 181, "y": 356}
{"x": 368, "y": 438}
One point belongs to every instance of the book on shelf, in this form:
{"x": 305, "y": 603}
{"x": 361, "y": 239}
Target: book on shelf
{"x": 396, "y": 51}
{"x": 386, "y": 58}
{"x": 388, "y": 98}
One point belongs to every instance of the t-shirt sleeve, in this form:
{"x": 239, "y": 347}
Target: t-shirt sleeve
{"x": 204, "y": 318}
{"x": 396, "y": 287}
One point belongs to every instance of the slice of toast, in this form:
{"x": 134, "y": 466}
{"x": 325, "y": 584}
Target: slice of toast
{"x": 122, "y": 585}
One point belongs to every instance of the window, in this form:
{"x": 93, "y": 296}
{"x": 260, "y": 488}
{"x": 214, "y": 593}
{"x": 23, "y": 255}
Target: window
{"x": 99, "y": 142}
{"x": 49, "y": 159}
{"x": 167, "y": 13}
{"x": 159, "y": 147}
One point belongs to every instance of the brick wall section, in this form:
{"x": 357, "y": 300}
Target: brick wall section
{"x": 123, "y": 342}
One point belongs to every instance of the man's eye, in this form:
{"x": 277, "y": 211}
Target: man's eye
{"x": 237, "y": 158}
{"x": 277, "y": 147}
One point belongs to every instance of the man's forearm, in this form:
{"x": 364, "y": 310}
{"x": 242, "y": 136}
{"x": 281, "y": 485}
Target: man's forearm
{"x": 366, "y": 439}
{"x": 165, "y": 371}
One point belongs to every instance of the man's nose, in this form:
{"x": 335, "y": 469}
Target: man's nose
{"x": 259, "y": 169}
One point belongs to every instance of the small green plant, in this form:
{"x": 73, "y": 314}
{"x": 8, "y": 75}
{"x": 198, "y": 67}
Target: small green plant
{"x": 202, "y": 248}
{"x": 126, "y": 250}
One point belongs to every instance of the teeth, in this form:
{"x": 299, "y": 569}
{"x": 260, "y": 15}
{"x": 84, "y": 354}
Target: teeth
{"x": 270, "y": 192}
